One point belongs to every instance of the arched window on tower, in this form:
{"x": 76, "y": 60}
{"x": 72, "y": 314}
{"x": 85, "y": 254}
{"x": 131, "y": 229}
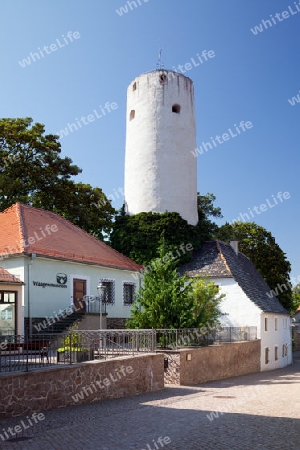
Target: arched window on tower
{"x": 132, "y": 114}
{"x": 176, "y": 108}
{"x": 134, "y": 86}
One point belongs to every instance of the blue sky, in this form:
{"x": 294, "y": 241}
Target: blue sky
{"x": 251, "y": 78}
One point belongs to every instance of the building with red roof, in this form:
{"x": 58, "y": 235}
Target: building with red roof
{"x": 61, "y": 266}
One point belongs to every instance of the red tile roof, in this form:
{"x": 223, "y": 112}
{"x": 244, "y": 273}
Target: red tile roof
{"x": 24, "y": 229}
{"x": 6, "y": 277}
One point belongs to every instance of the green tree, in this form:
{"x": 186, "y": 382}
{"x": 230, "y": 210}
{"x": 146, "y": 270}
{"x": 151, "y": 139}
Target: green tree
{"x": 167, "y": 300}
{"x": 33, "y": 172}
{"x": 205, "y": 299}
{"x": 206, "y": 211}
{"x": 138, "y": 236}
{"x": 260, "y": 247}
{"x": 296, "y": 298}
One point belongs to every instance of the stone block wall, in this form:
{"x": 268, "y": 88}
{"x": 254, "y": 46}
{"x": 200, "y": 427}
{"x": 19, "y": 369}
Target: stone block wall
{"x": 92, "y": 322}
{"x": 80, "y": 383}
{"x": 199, "y": 365}
{"x": 172, "y": 372}
{"x": 115, "y": 323}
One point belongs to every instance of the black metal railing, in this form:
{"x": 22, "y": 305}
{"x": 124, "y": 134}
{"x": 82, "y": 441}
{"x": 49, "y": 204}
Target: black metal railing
{"x": 26, "y": 353}
{"x": 202, "y": 337}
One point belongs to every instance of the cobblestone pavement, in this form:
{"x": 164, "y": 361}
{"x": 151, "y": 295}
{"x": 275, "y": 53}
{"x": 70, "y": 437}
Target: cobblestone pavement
{"x": 258, "y": 411}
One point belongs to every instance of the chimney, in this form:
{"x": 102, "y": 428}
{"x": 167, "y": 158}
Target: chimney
{"x": 235, "y": 245}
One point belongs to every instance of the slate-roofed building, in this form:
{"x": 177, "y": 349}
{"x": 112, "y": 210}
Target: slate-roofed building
{"x": 249, "y": 300}
{"x": 61, "y": 264}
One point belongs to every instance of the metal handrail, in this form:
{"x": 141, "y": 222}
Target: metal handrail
{"x": 25, "y": 353}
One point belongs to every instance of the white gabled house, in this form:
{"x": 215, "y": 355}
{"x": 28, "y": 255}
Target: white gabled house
{"x": 61, "y": 265}
{"x": 247, "y": 302}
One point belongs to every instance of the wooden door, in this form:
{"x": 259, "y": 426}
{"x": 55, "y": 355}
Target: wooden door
{"x": 79, "y": 292}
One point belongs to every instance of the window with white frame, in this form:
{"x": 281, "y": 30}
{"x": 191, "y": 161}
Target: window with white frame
{"x": 8, "y": 301}
{"x": 128, "y": 292}
{"x": 109, "y": 292}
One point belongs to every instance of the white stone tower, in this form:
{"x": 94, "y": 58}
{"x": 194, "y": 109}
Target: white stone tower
{"x": 160, "y": 169}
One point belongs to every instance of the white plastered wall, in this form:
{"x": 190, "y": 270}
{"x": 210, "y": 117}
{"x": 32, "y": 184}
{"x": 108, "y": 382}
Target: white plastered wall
{"x": 48, "y": 300}
{"x": 239, "y": 311}
{"x": 276, "y": 332}
{"x": 160, "y": 169}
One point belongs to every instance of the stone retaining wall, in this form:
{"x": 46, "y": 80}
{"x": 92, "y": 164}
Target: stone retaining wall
{"x": 199, "y": 365}
{"x": 115, "y": 323}
{"x": 80, "y": 383}
{"x": 92, "y": 322}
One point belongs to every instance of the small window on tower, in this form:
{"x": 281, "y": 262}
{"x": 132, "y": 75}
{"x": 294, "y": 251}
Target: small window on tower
{"x": 134, "y": 87}
{"x": 132, "y": 114}
{"x": 176, "y": 108}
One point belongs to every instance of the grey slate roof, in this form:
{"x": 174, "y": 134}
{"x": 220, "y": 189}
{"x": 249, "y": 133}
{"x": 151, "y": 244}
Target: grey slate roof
{"x": 217, "y": 259}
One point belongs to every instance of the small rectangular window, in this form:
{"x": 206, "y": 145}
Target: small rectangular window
{"x": 128, "y": 293}
{"x": 266, "y": 324}
{"x": 176, "y": 108}
{"x": 9, "y": 297}
{"x": 276, "y": 324}
{"x": 276, "y": 353}
{"x": 267, "y": 355}
{"x": 109, "y": 293}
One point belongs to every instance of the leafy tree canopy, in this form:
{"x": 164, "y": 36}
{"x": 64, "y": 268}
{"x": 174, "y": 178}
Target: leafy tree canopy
{"x": 296, "y": 298}
{"x": 167, "y": 300}
{"x": 260, "y": 247}
{"x": 33, "y": 172}
{"x": 138, "y": 236}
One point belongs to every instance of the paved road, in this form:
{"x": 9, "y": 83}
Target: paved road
{"x": 259, "y": 411}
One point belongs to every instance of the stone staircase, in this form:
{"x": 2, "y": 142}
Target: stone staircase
{"x": 63, "y": 324}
